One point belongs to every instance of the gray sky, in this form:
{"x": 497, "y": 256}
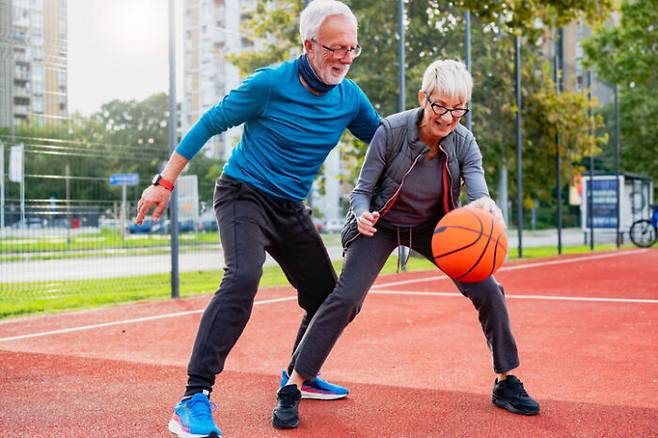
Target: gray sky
{"x": 118, "y": 49}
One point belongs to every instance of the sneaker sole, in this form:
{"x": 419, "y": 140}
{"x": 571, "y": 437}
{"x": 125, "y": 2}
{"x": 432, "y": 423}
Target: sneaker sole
{"x": 509, "y": 407}
{"x": 277, "y": 423}
{"x": 321, "y": 396}
{"x": 176, "y": 430}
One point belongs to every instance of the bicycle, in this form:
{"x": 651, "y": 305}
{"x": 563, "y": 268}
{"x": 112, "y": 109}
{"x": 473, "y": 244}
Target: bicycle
{"x": 644, "y": 232}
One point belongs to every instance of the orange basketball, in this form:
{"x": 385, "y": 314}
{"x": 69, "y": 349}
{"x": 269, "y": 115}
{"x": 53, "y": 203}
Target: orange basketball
{"x": 469, "y": 245}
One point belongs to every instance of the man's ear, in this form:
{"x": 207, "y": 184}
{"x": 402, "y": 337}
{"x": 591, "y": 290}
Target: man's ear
{"x": 421, "y": 98}
{"x": 308, "y": 46}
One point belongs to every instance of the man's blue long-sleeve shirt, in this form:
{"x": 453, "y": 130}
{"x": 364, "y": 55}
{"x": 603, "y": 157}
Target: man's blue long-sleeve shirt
{"x": 288, "y": 131}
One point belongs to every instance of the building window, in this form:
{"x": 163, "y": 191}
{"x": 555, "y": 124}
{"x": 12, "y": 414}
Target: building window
{"x": 37, "y": 105}
{"x": 37, "y": 72}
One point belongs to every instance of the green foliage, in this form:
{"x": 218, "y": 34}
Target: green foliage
{"x": 628, "y": 55}
{"x": 434, "y": 30}
{"x": 530, "y": 17}
{"x": 122, "y": 137}
{"x": 276, "y": 24}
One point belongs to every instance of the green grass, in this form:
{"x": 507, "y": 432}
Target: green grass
{"x": 20, "y": 299}
{"x": 550, "y": 251}
{"x": 105, "y": 239}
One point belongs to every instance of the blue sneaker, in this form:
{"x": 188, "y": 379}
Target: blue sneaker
{"x": 193, "y": 418}
{"x": 318, "y": 389}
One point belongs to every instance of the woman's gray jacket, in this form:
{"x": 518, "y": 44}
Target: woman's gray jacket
{"x": 461, "y": 160}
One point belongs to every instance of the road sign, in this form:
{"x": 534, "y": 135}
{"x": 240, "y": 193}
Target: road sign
{"x": 124, "y": 179}
{"x": 16, "y": 154}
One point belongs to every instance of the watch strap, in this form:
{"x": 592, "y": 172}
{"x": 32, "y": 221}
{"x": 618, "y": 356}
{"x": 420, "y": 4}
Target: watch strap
{"x": 160, "y": 181}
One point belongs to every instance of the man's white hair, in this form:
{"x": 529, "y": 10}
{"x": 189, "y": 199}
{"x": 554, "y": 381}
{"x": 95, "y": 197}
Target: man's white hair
{"x": 315, "y": 13}
{"x": 450, "y": 78}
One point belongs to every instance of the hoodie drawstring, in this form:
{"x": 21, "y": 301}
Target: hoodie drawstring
{"x": 400, "y": 263}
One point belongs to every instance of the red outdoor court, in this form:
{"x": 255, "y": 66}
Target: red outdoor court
{"x": 415, "y": 360}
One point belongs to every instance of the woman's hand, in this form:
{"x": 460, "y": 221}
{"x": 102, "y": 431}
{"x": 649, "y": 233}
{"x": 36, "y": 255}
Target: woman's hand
{"x": 366, "y": 223}
{"x": 487, "y": 204}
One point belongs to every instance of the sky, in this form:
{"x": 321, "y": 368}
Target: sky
{"x": 119, "y": 49}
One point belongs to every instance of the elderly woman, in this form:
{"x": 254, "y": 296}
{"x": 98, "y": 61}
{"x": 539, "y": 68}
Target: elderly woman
{"x": 411, "y": 177}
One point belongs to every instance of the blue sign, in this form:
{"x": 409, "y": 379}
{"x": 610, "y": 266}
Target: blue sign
{"x": 604, "y": 203}
{"x": 124, "y": 179}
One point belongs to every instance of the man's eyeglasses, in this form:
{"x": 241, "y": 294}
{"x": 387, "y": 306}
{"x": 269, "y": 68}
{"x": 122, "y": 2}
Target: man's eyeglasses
{"x": 341, "y": 52}
{"x": 440, "y": 110}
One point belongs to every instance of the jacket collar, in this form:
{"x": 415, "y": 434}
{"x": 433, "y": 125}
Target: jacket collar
{"x": 412, "y": 131}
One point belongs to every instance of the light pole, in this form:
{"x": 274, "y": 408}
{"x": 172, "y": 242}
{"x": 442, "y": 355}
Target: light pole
{"x": 519, "y": 153}
{"x": 467, "y": 49}
{"x": 618, "y": 162}
{"x": 173, "y": 206}
{"x": 558, "y": 176}
{"x": 590, "y": 189}
{"x": 404, "y": 253}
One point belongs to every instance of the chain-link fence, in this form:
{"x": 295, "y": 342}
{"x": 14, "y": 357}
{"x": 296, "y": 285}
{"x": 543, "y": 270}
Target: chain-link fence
{"x": 68, "y": 236}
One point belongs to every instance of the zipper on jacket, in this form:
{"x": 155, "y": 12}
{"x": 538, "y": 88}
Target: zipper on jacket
{"x": 452, "y": 201}
{"x": 383, "y": 210}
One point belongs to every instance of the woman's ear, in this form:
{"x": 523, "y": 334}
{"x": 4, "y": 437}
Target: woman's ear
{"x": 421, "y": 98}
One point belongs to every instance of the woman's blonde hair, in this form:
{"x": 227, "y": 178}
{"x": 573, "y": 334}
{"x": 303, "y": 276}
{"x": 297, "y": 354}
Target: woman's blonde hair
{"x": 450, "y": 78}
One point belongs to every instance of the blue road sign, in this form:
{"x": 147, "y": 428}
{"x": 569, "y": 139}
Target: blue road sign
{"x": 124, "y": 179}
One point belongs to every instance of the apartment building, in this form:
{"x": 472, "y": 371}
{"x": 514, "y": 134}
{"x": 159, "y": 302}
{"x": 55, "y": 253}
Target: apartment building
{"x": 574, "y": 74}
{"x": 211, "y": 33}
{"x": 33, "y": 68}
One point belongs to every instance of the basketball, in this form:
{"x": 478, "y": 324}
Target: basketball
{"x": 469, "y": 244}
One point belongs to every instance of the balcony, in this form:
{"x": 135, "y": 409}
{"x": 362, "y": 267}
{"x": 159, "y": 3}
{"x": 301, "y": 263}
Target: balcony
{"x": 21, "y": 110}
{"x": 21, "y": 92}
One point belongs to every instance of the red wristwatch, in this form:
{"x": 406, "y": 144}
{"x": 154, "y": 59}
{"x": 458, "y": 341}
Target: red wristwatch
{"x": 158, "y": 180}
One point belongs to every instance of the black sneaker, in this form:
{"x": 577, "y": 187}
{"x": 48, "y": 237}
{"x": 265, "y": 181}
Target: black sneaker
{"x": 286, "y": 413}
{"x": 509, "y": 394}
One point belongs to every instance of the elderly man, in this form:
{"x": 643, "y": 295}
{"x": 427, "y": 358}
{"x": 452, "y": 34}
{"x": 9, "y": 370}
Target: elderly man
{"x": 294, "y": 114}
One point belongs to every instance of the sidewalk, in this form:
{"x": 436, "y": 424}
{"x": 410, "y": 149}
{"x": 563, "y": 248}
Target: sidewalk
{"x": 570, "y": 237}
{"x": 213, "y": 259}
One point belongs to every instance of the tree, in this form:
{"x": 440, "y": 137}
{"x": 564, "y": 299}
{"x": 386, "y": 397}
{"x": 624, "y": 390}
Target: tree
{"x": 122, "y": 137}
{"x": 434, "y": 30}
{"x": 627, "y": 55}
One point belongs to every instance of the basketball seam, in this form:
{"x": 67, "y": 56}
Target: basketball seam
{"x": 464, "y": 247}
{"x": 493, "y": 266}
{"x": 459, "y": 227}
{"x": 477, "y": 262}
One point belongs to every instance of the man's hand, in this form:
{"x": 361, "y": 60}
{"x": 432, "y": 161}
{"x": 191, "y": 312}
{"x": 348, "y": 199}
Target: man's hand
{"x": 366, "y": 223}
{"x": 487, "y": 204}
{"x": 152, "y": 196}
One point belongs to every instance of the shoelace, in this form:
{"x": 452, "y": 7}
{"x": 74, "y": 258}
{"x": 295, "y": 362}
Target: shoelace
{"x": 287, "y": 400}
{"x": 517, "y": 388}
{"x": 200, "y": 409}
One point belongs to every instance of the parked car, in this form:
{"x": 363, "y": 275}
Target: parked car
{"x": 146, "y": 227}
{"x": 334, "y": 226}
{"x": 30, "y": 222}
{"x": 319, "y": 224}
{"x": 183, "y": 226}
{"x": 207, "y": 221}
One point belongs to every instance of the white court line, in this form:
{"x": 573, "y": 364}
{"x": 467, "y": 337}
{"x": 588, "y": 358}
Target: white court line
{"x": 520, "y": 297}
{"x": 519, "y": 266}
{"x": 373, "y": 290}
{"x": 129, "y": 321}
